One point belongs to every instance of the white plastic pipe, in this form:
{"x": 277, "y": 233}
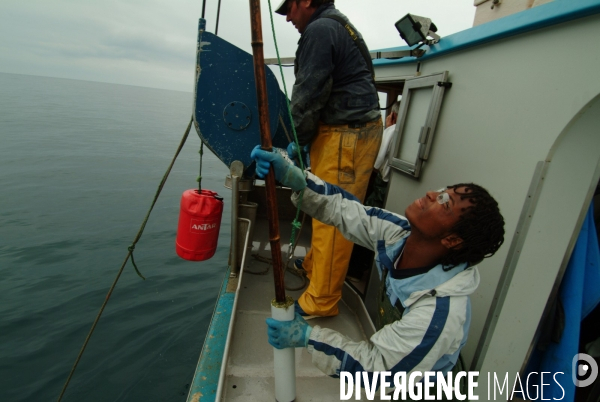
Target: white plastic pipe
{"x": 284, "y": 359}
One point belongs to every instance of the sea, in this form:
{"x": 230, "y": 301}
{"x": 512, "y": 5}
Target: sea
{"x": 80, "y": 163}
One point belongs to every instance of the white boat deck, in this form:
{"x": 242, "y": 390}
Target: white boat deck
{"x": 249, "y": 369}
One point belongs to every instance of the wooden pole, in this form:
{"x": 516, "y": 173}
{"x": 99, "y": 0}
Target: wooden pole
{"x": 265, "y": 140}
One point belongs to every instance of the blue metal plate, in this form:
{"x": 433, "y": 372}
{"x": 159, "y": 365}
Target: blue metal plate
{"x": 225, "y": 106}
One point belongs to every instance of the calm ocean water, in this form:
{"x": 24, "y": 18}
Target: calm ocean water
{"x": 80, "y": 163}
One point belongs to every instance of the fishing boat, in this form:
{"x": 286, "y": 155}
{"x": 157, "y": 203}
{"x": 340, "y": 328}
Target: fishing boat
{"x": 512, "y": 103}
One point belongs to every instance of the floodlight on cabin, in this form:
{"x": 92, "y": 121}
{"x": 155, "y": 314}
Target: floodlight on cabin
{"x": 414, "y": 29}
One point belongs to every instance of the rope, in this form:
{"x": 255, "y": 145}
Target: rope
{"x": 300, "y": 274}
{"x": 295, "y": 224}
{"x": 261, "y": 259}
{"x": 129, "y": 254}
{"x": 201, "y": 152}
{"x": 292, "y": 269}
{"x": 137, "y": 271}
{"x": 287, "y": 100}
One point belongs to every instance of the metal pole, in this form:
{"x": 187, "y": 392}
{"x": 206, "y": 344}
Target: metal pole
{"x": 203, "y": 8}
{"x": 236, "y": 170}
{"x": 201, "y": 152}
{"x": 218, "y": 14}
{"x": 235, "y": 196}
{"x": 265, "y": 134}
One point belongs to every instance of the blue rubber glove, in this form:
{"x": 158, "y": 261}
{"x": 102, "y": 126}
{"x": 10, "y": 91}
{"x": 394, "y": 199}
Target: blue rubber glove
{"x": 294, "y": 155}
{"x": 288, "y": 334}
{"x": 292, "y": 150}
{"x": 285, "y": 173}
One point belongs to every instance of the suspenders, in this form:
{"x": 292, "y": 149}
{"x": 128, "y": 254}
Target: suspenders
{"x": 360, "y": 44}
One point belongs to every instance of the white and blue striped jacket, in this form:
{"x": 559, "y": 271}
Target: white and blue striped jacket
{"x": 436, "y": 321}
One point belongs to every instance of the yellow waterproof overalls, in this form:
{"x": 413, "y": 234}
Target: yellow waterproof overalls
{"x": 342, "y": 155}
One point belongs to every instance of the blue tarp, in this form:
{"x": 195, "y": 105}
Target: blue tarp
{"x": 579, "y": 294}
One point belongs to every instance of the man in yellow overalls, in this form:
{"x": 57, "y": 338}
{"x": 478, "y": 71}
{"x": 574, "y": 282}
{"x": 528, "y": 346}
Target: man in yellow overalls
{"x": 336, "y": 112}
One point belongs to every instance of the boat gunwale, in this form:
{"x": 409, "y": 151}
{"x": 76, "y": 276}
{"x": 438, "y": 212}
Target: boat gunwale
{"x": 209, "y": 376}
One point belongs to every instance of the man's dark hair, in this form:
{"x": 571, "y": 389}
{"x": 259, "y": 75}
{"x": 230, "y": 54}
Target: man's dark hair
{"x": 317, "y": 3}
{"x": 480, "y": 226}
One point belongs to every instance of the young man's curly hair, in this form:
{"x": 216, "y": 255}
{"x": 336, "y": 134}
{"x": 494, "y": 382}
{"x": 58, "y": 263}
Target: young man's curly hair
{"x": 480, "y": 226}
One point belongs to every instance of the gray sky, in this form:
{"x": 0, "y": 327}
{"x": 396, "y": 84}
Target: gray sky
{"x": 152, "y": 43}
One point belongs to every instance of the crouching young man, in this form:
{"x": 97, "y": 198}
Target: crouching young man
{"x": 426, "y": 262}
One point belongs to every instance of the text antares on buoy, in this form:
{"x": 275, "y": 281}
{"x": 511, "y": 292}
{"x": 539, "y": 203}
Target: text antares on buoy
{"x": 199, "y": 224}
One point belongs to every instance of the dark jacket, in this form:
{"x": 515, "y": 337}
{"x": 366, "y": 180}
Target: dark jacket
{"x": 333, "y": 84}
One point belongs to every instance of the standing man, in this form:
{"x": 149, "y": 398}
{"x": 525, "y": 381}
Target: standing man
{"x": 336, "y": 112}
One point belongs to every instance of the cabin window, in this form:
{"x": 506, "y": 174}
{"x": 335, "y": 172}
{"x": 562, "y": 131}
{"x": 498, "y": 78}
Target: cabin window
{"x": 417, "y": 118}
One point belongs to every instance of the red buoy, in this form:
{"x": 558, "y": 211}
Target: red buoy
{"x": 199, "y": 224}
